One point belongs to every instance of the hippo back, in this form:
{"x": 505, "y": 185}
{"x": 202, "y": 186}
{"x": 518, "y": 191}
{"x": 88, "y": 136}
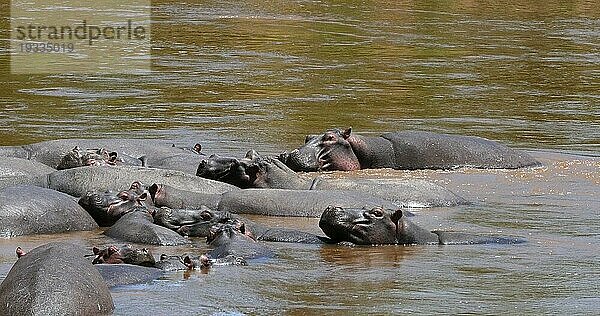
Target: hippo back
{"x": 426, "y": 150}
{"x": 54, "y": 279}
{"x": 27, "y": 210}
{"x": 15, "y": 171}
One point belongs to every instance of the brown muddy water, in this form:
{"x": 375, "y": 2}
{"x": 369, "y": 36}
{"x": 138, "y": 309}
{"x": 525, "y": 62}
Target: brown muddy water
{"x": 249, "y": 74}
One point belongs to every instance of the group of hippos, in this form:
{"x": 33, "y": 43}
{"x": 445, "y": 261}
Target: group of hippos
{"x": 152, "y": 192}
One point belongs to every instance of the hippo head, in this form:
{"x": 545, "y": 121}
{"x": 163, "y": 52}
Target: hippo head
{"x": 224, "y": 233}
{"x": 107, "y": 207}
{"x": 77, "y": 157}
{"x": 203, "y": 222}
{"x": 126, "y": 254}
{"x": 252, "y": 171}
{"x": 329, "y": 151}
{"x": 226, "y": 169}
{"x": 374, "y": 226}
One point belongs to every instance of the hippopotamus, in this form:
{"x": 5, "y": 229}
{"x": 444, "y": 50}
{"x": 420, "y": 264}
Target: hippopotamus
{"x": 230, "y": 239}
{"x": 176, "y": 218}
{"x": 197, "y": 223}
{"x": 27, "y": 210}
{"x": 18, "y": 171}
{"x": 272, "y": 202}
{"x": 379, "y": 226}
{"x": 54, "y": 279}
{"x": 126, "y": 254}
{"x": 107, "y": 207}
{"x": 255, "y": 171}
{"x": 78, "y": 181}
{"x": 338, "y": 149}
{"x": 138, "y": 227}
{"x": 78, "y": 157}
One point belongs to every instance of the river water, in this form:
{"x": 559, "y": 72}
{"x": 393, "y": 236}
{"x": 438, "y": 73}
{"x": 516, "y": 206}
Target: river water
{"x": 248, "y": 74}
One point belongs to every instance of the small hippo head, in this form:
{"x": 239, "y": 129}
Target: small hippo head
{"x": 205, "y": 221}
{"x": 330, "y": 151}
{"x": 107, "y": 207}
{"x": 224, "y": 233}
{"x": 109, "y": 255}
{"x": 78, "y": 157}
{"x": 226, "y": 169}
{"x": 373, "y": 226}
{"x": 126, "y": 254}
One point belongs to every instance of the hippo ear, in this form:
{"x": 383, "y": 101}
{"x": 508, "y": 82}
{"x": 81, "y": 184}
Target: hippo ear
{"x": 252, "y": 154}
{"x": 198, "y": 147}
{"x": 346, "y": 133}
{"x": 396, "y": 216}
{"x": 153, "y": 189}
{"x": 96, "y": 250}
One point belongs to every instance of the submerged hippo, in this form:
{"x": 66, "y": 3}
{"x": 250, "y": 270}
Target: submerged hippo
{"x": 231, "y": 239}
{"x": 54, "y": 279}
{"x": 255, "y": 171}
{"x": 126, "y": 254}
{"x": 338, "y": 149}
{"x": 78, "y": 157}
{"x": 377, "y": 226}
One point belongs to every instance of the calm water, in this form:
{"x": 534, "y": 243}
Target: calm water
{"x": 245, "y": 74}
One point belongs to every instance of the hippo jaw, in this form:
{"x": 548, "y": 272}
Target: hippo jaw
{"x": 360, "y": 226}
{"x": 329, "y": 151}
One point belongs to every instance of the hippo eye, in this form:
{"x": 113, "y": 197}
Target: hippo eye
{"x": 97, "y": 198}
{"x": 377, "y": 212}
{"x": 143, "y": 197}
{"x": 206, "y": 216}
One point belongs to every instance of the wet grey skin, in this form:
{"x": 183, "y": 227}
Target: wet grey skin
{"x": 55, "y": 279}
{"x": 378, "y": 226}
{"x": 255, "y": 171}
{"x": 30, "y": 210}
{"x": 338, "y": 149}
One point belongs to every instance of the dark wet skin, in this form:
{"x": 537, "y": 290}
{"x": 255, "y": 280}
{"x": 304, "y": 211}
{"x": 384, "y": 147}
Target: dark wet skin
{"x": 227, "y": 169}
{"x": 378, "y": 226}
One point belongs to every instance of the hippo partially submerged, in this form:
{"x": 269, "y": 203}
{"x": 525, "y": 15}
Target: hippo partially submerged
{"x": 255, "y": 171}
{"x": 54, "y": 279}
{"x": 338, "y": 149}
{"x": 376, "y": 226}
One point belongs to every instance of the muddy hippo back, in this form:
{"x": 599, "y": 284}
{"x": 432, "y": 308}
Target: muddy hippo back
{"x": 54, "y": 279}
{"x": 27, "y": 210}
{"x": 78, "y": 181}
